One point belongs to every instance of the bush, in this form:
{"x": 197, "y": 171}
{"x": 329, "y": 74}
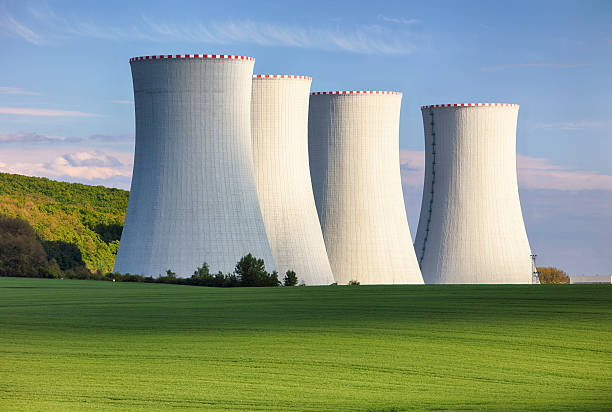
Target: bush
{"x": 353, "y": 283}
{"x": 290, "y": 279}
{"x": 252, "y": 272}
{"x": 553, "y": 275}
{"x": 203, "y": 277}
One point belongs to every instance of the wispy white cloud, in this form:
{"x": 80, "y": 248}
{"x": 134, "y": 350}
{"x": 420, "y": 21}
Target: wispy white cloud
{"x": 32, "y": 139}
{"x": 533, "y": 64}
{"x": 35, "y": 138}
{"x": 90, "y": 159}
{"x": 16, "y": 90}
{"x": 23, "y": 111}
{"x": 368, "y": 39}
{"x": 122, "y": 101}
{"x": 399, "y": 20}
{"x": 125, "y": 137}
{"x": 412, "y": 167}
{"x": 10, "y": 26}
{"x": 577, "y": 125}
{"x": 533, "y": 173}
{"x": 541, "y": 173}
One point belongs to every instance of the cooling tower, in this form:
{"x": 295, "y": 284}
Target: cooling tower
{"x": 279, "y": 124}
{"x": 193, "y": 197}
{"x": 354, "y": 164}
{"x": 471, "y": 227}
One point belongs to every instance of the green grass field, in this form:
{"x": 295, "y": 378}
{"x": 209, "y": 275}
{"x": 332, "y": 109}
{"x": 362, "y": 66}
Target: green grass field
{"x": 98, "y": 345}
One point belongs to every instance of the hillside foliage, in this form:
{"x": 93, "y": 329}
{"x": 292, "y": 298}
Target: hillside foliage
{"x": 78, "y": 225}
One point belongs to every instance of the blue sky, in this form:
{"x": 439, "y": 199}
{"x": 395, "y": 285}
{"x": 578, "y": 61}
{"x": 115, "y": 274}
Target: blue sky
{"x": 66, "y": 107}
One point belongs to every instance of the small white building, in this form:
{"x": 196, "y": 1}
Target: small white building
{"x": 575, "y": 279}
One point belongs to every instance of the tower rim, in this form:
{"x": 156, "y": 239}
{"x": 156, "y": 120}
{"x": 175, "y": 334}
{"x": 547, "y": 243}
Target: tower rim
{"x": 453, "y": 105}
{"x": 191, "y": 56}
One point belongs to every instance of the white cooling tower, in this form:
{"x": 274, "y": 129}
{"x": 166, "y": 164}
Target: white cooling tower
{"x": 279, "y": 124}
{"x": 471, "y": 227}
{"x": 193, "y": 197}
{"x": 354, "y": 164}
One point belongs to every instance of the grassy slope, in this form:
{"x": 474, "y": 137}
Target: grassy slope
{"x": 66, "y": 211}
{"x": 82, "y": 344}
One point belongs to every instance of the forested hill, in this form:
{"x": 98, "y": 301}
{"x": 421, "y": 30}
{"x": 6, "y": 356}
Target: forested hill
{"x": 71, "y": 219}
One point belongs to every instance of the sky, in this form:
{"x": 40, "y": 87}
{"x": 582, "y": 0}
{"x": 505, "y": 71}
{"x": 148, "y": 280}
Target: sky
{"x": 66, "y": 101}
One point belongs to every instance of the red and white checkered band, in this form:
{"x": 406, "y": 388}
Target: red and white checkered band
{"x": 432, "y": 106}
{"x": 280, "y": 76}
{"x": 356, "y": 92}
{"x": 191, "y": 56}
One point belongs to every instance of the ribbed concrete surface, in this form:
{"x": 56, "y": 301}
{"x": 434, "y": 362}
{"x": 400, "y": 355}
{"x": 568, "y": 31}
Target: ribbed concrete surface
{"x": 471, "y": 227}
{"x": 354, "y": 164}
{"x": 280, "y": 152}
{"x": 193, "y": 196}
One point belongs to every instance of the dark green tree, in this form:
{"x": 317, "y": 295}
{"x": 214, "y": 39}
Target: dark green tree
{"x": 252, "y": 272}
{"x": 290, "y": 279}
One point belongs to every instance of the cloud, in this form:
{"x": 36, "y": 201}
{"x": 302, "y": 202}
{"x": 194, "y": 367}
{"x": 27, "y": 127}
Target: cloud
{"x": 122, "y": 101}
{"x": 578, "y": 125}
{"x": 23, "y": 111}
{"x": 399, "y": 20}
{"x": 540, "y": 173}
{"x": 95, "y": 158}
{"x": 12, "y": 27}
{"x": 609, "y": 40}
{"x": 412, "y": 167}
{"x": 116, "y": 138}
{"x": 533, "y": 173}
{"x": 368, "y": 39}
{"x": 111, "y": 168}
{"x": 16, "y": 90}
{"x": 35, "y": 138}
{"x": 533, "y": 64}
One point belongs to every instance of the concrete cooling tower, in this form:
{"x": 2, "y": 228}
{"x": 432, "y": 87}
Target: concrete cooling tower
{"x": 193, "y": 197}
{"x": 354, "y": 164}
{"x": 279, "y": 124}
{"x": 471, "y": 227}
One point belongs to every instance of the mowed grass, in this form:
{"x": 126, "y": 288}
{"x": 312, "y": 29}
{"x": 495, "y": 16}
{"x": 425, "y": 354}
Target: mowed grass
{"x": 68, "y": 345}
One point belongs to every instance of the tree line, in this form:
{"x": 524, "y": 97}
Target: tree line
{"x": 23, "y": 254}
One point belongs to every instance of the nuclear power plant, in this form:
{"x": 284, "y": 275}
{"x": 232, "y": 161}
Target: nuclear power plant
{"x": 279, "y": 124}
{"x": 227, "y": 164}
{"x": 471, "y": 226}
{"x": 353, "y": 141}
{"x": 193, "y": 197}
